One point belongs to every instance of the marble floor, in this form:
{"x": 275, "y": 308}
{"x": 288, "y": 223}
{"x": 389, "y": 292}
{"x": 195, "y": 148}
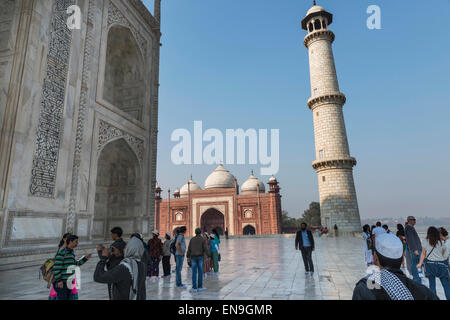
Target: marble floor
{"x": 261, "y": 268}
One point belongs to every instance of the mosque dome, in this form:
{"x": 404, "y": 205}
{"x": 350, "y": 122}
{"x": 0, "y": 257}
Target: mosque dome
{"x": 219, "y": 178}
{"x": 251, "y": 185}
{"x": 192, "y": 187}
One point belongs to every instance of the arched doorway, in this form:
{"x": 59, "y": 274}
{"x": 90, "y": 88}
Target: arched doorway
{"x": 211, "y": 219}
{"x": 118, "y": 189}
{"x": 249, "y": 230}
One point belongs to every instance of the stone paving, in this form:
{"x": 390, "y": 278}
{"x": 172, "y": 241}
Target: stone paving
{"x": 259, "y": 268}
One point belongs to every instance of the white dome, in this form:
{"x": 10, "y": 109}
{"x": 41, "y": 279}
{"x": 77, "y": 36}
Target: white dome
{"x": 272, "y": 178}
{"x": 192, "y": 187}
{"x": 315, "y": 9}
{"x": 251, "y": 185}
{"x": 220, "y": 178}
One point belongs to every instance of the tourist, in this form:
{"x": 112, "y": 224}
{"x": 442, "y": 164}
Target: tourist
{"x": 414, "y": 246}
{"x": 435, "y": 256}
{"x": 53, "y": 295}
{"x": 166, "y": 255}
{"x": 114, "y": 258}
{"x": 304, "y": 241}
{"x": 156, "y": 251}
{"x": 195, "y": 254}
{"x": 207, "y": 257}
{"x": 64, "y": 269}
{"x": 336, "y": 230}
{"x": 444, "y": 237}
{"x": 367, "y": 245}
{"x": 215, "y": 252}
{"x": 401, "y": 235}
{"x": 226, "y": 233}
{"x": 180, "y": 245}
{"x": 389, "y": 282}
{"x": 146, "y": 255}
{"x": 127, "y": 279}
{"x": 386, "y": 228}
{"x": 378, "y": 229}
{"x": 216, "y": 235}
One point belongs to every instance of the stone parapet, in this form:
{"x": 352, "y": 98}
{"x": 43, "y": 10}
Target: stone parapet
{"x": 324, "y": 34}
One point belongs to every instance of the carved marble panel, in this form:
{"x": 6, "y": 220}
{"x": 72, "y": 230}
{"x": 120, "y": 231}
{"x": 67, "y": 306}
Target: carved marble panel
{"x": 49, "y": 131}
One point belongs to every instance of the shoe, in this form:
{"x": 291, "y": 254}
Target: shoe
{"x": 201, "y": 289}
{"x": 183, "y": 286}
{"x": 311, "y": 273}
{"x": 193, "y": 290}
{"x": 306, "y": 273}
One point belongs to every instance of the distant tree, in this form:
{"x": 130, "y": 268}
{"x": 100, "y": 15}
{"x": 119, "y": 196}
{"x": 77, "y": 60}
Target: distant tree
{"x": 288, "y": 222}
{"x": 312, "y": 215}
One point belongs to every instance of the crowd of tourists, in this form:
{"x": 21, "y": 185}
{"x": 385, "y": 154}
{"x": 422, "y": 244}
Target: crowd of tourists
{"x": 402, "y": 256}
{"x": 125, "y": 266}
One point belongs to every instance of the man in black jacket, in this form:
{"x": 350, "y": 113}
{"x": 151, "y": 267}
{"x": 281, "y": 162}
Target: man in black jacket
{"x": 305, "y": 242}
{"x": 387, "y": 282}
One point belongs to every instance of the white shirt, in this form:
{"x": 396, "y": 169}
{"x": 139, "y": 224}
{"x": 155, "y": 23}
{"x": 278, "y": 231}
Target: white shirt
{"x": 378, "y": 230}
{"x": 439, "y": 253}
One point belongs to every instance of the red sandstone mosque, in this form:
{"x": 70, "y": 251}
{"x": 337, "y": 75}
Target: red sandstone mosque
{"x": 221, "y": 205}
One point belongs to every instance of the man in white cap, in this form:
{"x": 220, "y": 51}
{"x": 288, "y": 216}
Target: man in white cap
{"x": 166, "y": 255}
{"x": 387, "y": 282}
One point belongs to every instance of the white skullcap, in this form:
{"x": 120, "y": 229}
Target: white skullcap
{"x": 168, "y": 233}
{"x": 156, "y": 232}
{"x": 389, "y": 246}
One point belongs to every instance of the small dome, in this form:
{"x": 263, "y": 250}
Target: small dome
{"x": 272, "y": 179}
{"x": 315, "y": 9}
{"x": 192, "y": 187}
{"x": 157, "y": 187}
{"x": 219, "y": 178}
{"x": 251, "y": 185}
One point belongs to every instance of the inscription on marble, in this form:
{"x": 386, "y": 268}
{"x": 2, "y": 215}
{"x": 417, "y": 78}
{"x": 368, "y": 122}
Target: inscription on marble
{"x": 45, "y": 159}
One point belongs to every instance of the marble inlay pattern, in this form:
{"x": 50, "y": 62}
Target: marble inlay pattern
{"x": 45, "y": 159}
{"x": 107, "y": 132}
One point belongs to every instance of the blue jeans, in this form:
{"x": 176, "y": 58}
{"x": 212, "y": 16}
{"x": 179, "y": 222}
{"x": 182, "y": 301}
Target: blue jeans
{"x": 179, "y": 261}
{"x": 445, "y": 285}
{"x": 414, "y": 262}
{"x": 197, "y": 272}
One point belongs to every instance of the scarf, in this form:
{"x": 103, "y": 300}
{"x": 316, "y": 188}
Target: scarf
{"x": 393, "y": 286}
{"x": 133, "y": 254}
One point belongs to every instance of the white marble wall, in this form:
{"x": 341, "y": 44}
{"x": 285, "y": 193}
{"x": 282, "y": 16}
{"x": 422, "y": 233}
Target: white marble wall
{"x": 34, "y": 222}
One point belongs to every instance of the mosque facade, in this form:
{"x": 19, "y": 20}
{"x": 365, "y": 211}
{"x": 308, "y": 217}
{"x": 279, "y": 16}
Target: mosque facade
{"x": 221, "y": 205}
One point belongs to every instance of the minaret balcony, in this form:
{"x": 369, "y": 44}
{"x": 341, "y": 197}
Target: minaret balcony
{"x": 323, "y": 34}
{"x": 339, "y": 98}
{"x": 340, "y": 163}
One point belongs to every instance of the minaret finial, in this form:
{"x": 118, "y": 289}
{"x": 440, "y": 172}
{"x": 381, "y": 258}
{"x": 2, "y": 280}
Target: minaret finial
{"x": 314, "y": 2}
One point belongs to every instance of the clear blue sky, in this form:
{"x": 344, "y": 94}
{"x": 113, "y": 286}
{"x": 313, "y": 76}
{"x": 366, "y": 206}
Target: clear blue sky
{"x": 242, "y": 64}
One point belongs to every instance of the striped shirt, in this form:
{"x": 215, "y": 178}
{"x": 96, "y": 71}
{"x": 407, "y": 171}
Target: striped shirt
{"x": 63, "y": 260}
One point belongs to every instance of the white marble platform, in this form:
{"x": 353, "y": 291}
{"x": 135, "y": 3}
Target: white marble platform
{"x": 261, "y": 268}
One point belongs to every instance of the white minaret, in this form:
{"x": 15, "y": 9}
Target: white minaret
{"x": 334, "y": 165}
